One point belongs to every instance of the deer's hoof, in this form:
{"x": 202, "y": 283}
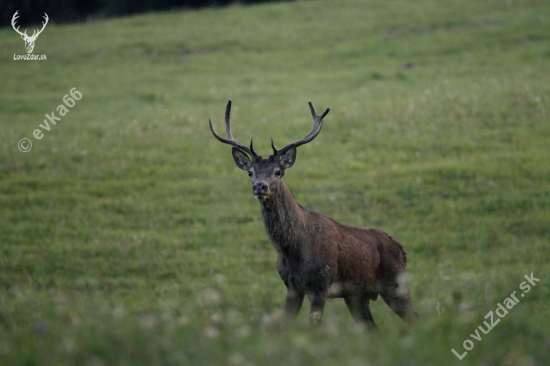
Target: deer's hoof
{"x": 315, "y": 317}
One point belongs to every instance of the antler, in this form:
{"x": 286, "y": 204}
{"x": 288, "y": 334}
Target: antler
{"x": 34, "y": 34}
{"x": 315, "y": 129}
{"x": 230, "y": 140}
{"x": 43, "y": 26}
{"x": 15, "y": 16}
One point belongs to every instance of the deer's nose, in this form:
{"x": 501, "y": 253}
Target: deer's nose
{"x": 259, "y": 188}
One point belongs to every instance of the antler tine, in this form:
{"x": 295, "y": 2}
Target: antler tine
{"x": 315, "y": 129}
{"x": 316, "y": 118}
{"x": 251, "y": 148}
{"x": 273, "y": 147}
{"x": 43, "y": 24}
{"x": 230, "y": 140}
{"x": 227, "y": 120}
{"x": 13, "y": 19}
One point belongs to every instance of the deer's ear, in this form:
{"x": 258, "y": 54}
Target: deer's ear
{"x": 288, "y": 158}
{"x": 241, "y": 159}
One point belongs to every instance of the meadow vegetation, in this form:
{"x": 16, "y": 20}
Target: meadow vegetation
{"x": 129, "y": 237}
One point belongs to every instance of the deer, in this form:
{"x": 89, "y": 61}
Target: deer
{"x": 29, "y": 41}
{"x": 317, "y": 256}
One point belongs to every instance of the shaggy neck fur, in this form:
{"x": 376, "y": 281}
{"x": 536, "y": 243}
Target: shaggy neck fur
{"x": 283, "y": 219}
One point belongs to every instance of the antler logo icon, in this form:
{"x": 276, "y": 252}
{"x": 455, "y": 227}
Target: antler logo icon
{"x": 29, "y": 41}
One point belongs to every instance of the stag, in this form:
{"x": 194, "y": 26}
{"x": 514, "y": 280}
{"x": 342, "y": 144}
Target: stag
{"x": 29, "y": 41}
{"x": 317, "y": 256}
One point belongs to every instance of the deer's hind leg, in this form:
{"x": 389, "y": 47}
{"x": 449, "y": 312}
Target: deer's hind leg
{"x": 397, "y": 295}
{"x": 359, "y": 307}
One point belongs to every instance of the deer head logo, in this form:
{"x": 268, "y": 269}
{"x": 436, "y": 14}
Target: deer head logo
{"x": 29, "y": 41}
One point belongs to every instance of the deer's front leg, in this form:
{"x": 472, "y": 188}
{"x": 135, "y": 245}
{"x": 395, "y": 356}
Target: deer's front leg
{"x": 317, "y": 303}
{"x": 293, "y": 303}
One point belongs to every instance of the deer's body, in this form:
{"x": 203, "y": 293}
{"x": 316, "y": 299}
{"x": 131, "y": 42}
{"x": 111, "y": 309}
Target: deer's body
{"x": 317, "y": 256}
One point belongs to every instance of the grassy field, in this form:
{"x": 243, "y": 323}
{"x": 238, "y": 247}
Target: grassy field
{"x": 129, "y": 237}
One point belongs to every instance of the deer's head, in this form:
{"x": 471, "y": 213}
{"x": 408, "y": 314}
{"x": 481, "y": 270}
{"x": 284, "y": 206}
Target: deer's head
{"x": 29, "y": 40}
{"x": 266, "y": 174}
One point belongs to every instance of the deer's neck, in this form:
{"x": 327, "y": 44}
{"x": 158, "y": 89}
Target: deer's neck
{"x": 283, "y": 219}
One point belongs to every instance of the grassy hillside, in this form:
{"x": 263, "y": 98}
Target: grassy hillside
{"x": 128, "y": 236}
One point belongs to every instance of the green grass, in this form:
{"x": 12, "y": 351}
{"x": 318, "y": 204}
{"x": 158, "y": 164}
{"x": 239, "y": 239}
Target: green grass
{"x": 128, "y": 236}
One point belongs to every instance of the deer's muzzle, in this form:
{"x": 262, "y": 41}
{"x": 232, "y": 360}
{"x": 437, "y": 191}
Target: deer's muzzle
{"x": 260, "y": 189}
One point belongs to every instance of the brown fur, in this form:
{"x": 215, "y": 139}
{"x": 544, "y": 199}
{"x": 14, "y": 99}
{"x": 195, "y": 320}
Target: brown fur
{"x": 322, "y": 258}
{"x": 318, "y": 256}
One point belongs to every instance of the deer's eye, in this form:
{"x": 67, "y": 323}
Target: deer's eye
{"x": 249, "y": 173}
{"x": 278, "y": 173}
